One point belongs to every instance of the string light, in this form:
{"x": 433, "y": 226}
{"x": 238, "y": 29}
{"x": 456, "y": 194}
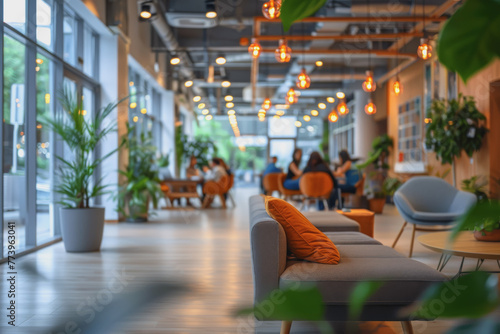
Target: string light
{"x": 298, "y": 124}
{"x": 205, "y": 111}
{"x": 314, "y": 113}
{"x": 197, "y": 98}
{"x": 266, "y": 105}
{"x": 319, "y": 63}
{"x": 307, "y": 118}
{"x": 342, "y": 108}
{"x": 370, "y": 108}
{"x": 333, "y": 116}
{"x": 228, "y": 98}
{"x": 229, "y": 105}
{"x": 291, "y": 97}
{"x": 322, "y": 106}
{"x": 271, "y": 9}
{"x": 330, "y": 99}
{"x": 225, "y": 84}
{"x": 201, "y": 105}
{"x": 340, "y": 95}
{"x": 175, "y": 61}
{"x": 188, "y": 83}
{"x": 220, "y": 60}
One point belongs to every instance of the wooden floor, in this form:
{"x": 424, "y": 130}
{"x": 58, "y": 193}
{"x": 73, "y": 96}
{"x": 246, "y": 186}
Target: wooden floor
{"x": 207, "y": 251}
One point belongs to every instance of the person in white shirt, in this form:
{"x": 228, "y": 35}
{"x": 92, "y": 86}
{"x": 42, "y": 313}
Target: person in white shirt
{"x": 216, "y": 171}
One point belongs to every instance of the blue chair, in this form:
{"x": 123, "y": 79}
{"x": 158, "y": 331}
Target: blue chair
{"x": 430, "y": 204}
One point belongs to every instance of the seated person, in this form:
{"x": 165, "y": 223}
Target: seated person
{"x": 191, "y": 170}
{"x": 225, "y": 166}
{"x": 216, "y": 170}
{"x": 294, "y": 172}
{"x": 345, "y": 164}
{"x": 270, "y": 168}
{"x": 317, "y": 164}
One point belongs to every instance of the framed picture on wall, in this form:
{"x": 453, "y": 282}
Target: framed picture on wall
{"x": 451, "y": 85}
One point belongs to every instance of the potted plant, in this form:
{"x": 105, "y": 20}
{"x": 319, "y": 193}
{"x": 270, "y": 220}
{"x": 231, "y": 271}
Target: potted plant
{"x": 163, "y": 162}
{"x": 376, "y": 202}
{"x": 390, "y": 185}
{"x": 487, "y": 230}
{"x": 142, "y": 183}
{"x": 455, "y": 126}
{"x": 81, "y": 225}
{"x": 476, "y": 185}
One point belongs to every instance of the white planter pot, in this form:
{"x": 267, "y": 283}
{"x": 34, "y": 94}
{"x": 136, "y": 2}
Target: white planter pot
{"x": 82, "y": 229}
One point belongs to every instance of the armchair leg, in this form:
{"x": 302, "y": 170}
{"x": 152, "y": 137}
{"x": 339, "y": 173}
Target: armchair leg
{"x": 407, "y": 327}
{"x": 399, "y": 235}
{"x": 285, "y": 327}
{"x": 412, "y": 239}
{"x": 207, "y": 201}
{"x": 222, "y": 200}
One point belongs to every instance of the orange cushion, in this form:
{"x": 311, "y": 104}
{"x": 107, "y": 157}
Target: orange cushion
{"x": 303, "y": 239}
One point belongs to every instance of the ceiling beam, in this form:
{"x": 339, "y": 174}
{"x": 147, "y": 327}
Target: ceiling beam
{"x": 364, "y": 19}
{"x": 381, "y": 53}
{"x": 338, "y": 37}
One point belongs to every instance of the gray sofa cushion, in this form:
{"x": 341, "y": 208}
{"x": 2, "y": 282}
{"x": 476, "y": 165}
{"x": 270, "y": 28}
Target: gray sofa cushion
{"x": 405, "y": 279}
{"x": 351, "y": 238}
{"x": 368, "y": 251}
{"x": 331, "y": 221}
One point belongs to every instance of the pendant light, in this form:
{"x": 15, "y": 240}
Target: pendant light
{"x": 424, "y": 50}
{"x": 266, "y": 105}
{"x": 271, "y": 9}
{"x": 370, "y": 107}
{"x": 283, "y": 53}
{"x": 303, "y": 80}
{"x": 342, "y": 108}
{"x": 397, "y": 87}
{"x": 254, "y": 49}
{"x": 369, "y": 84}
{"x": 333, "y": 116}
{"x": 291, "y": 96}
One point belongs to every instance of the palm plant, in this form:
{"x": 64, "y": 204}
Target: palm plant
{"x": 142, "y": 182}
{"x": 82, "y": 134}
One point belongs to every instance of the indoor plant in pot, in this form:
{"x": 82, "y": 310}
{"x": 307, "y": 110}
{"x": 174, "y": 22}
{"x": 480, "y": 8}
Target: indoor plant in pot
{"x": 81, "y": 224}
{"x": 142, "y": 183}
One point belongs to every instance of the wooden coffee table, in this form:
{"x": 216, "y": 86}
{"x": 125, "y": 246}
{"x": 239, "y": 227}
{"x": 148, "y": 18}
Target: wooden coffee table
{"x": 465, "y": 245}
{"x": 364, "y": 218}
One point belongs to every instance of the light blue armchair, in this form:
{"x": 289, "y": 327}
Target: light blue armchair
{"x": 429, "y": 203}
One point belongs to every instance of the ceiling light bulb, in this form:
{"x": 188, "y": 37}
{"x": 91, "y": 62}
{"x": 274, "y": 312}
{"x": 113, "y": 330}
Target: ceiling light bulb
{"x": 188, "y": 83}
{"x": 146, "y": 11}
{"x": 291, "y": 97}
{"x": 303, "y": 81}
{"x": 321, "y": 105}
{"x": 298, "y": 124}
{"x": 333, "y": 116}
{"x": 197, "y": 98}
{"x": 229, "y": 105}
{"x": 228, "y": 98}
{"x": 208, "y": 117}
{"x": 397, "y": 88}
{"x": 424, "y": 50}
{"x": 175, "y": 60}
{"x": 254, "y": 49}
{"x": 225, "y": 84}
{"x": 271, "y": 9}
{"x": 220, "y": 60}
{"x": 201, "y": 105}
{"x": 342, "y": 108}
{"x": 370, "y": 108}
{"x": 212, "y": 14}
{"x": 266, "y": 105}
{"x": 340, "y": 95}
{"x": 307, "y": 118}
{"x": 314, "y": 113}
{"x": 330, "y": 99}
{"x": 283, "y": 53}
{"x": 231, "y": 112}
{"x": 319, "y": 63}
{"x": 369, "y": 85}
{"x": 205, "y": 111}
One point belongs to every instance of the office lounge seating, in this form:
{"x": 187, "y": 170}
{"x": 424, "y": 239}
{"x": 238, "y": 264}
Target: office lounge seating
{"x": 271, "y": 183}
{"x": 430, "y": 204}
{"x": 211, "y": 189}
{"x": 315, "y": 186}
{"x": 286, "y": 193}
{"x": 362, "y": 259}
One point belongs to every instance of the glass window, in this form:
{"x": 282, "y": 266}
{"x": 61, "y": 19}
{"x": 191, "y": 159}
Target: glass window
{"x": 283, "y": 149}
{"x": 44, "y": 23}
{"x": 70, "y": 35}
{"x": 14, "y": 141}
{"x": 14, "y": 14}
{"x": 44, "y": 107}
{"x": 89, "y": 51}
{"x": 282, "y": 127}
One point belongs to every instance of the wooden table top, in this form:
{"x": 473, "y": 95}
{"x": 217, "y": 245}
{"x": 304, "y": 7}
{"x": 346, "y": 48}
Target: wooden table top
{"x": 465, "y": 245}
{"x": 176, "y": 182}
{"x": 357, "y": 212}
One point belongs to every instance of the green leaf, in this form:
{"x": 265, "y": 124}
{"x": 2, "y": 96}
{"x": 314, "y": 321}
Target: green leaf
{"x": 359, "y": 296}
{"x": 477, "y": 215}
{"x": 296, "y": 10}
{"x": 303, "y": 303}
{"x": 470, "y": 39}
{"x": 470, "y": 296}
{"x": 483, "y": 326}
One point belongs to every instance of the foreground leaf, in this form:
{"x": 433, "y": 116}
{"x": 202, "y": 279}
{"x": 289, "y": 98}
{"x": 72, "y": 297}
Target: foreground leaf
{"x": 296, "y": 10}
{"x": 470, "y": 39}
{"x": 304, "y": 303}
{"x": 470, "y": 296}
{"x": 359, "y": 296}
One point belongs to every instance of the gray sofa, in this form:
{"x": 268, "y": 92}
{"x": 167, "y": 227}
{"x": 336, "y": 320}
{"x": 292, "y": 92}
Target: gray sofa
{"x": 362, "y": 259}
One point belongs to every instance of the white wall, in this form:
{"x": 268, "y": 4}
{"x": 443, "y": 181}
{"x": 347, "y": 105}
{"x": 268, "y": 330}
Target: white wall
{"x": 365, "y": 127}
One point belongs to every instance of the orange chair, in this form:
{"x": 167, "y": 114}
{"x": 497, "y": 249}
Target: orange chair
{"x": 229, "y": 187}
{"x": 316, "y": 186}
{"x": 212, "y": 189}
{"x": 286, "y": 193}
{"x": 271, "y": 183}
